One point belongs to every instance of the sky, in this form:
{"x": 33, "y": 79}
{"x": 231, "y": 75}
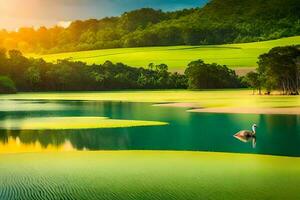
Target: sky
{"x": 35, "y": 13}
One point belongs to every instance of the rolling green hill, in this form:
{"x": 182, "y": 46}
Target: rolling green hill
{"x": 177, "y": 57}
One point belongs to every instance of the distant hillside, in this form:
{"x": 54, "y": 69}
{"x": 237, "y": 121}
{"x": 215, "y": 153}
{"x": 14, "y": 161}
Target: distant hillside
{"x": 242, "y": 57}
{"x": 219, "y": 22}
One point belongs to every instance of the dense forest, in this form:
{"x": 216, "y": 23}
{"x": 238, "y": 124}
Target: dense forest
{"x": 220, "y": 21}
{"x": 18, "y": 73}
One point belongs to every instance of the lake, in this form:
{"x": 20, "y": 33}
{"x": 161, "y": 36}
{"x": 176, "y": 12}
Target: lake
{"x": 276, "y": 134}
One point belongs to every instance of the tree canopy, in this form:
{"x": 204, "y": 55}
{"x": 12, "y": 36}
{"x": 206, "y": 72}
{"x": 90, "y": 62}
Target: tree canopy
{"x": 210, "y": 76}
{"x": 7, "y": 85}
{"x": 279, "y": 69}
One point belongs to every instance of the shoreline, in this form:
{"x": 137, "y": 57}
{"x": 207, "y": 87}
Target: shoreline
{"x": 194, "y": 107}
{"x": 178, "y": 105}
{"x": 269, "y": 111}
{"x": 209, "y": 101}
{"x": 158, "y": 152}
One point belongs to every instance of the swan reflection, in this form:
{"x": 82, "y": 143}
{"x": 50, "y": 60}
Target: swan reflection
{"x": 247, "y": 135}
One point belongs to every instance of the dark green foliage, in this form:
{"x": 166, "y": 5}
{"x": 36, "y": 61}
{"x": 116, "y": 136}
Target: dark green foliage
{"x": 37, "y": 75}
{"x": 220, "y": 21}
{"x": 253, "y": 80}
{"x": 140, "y": 19}
{"x": 279, "y": 69}
{"x": 207, "y": 76}
{"x": 7, "y": 85}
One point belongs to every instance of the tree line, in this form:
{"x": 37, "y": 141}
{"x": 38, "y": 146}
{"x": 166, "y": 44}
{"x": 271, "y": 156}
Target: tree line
{"x": 18, "y": 73}
{"x": 30, "y": 74}
{"x": 220, "y": 21}
{"x": 279, "y": 70}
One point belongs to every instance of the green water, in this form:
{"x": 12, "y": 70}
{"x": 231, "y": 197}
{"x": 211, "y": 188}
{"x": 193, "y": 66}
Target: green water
{"x": 61, "y": 165}
{"x": 276, "y": 135}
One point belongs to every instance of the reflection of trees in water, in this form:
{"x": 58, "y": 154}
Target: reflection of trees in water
{"x": 282, "y": 131}
{"x": 104, "y": 139}
{"x": 98, "y": 139}
{"x": 85, "y": 139}
{"x": 45, "y": 138}
{"x": 273, "y": 121}
{"x": 3, "y": 137}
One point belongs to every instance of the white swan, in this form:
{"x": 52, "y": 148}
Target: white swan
{"x": 246, "y": 135}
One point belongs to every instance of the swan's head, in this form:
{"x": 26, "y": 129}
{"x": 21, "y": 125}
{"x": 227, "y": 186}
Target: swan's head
{"x": 254, "y": 126}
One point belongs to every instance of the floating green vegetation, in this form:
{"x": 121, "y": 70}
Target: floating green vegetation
{"x": 147, "y": 175}
{"x": 63, "y": 123}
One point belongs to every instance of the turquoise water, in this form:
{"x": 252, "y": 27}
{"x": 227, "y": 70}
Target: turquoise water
{"x": 276, "y": 135}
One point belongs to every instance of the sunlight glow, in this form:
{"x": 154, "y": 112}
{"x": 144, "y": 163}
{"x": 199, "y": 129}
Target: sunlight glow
{"x": 64, "y": 24}
{"x": 29, "y": 13}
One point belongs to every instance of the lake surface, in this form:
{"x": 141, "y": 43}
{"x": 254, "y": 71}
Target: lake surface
{"x": 276, "y": 134}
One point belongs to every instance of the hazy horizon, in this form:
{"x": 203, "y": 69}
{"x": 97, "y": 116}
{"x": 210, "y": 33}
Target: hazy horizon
{"x": 35, "y": 13}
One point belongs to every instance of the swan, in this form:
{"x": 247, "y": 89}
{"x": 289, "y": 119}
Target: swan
{"x": 247, "y": 135}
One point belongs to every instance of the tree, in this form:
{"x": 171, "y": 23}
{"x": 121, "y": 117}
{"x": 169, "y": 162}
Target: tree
{"x": 3, "y": 61}
{"x": 253, "y": 80}
{"x": 279, "y": 69}
{"x": 16, "y": 67}
{"x": 130, "y": 21}
{"x": 7, "y": 85}
{"x": 33, "y": 76}
{"x": 61, "y": 75}
{"x": 208, "y": 76}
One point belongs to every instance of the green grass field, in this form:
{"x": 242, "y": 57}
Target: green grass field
{"x": 177, "y": 57}
{"x": 145, "y": 175}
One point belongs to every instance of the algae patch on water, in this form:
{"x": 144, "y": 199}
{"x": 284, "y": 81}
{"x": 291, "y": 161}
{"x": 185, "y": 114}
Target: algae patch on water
{"x": 64, "y": 123}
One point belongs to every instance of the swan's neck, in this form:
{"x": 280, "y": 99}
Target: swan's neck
{"x": 254, "y": 129}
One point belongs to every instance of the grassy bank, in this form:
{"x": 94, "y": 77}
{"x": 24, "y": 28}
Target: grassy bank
{"x": 148, "y": 175}
{"x": 177, "y": 57}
